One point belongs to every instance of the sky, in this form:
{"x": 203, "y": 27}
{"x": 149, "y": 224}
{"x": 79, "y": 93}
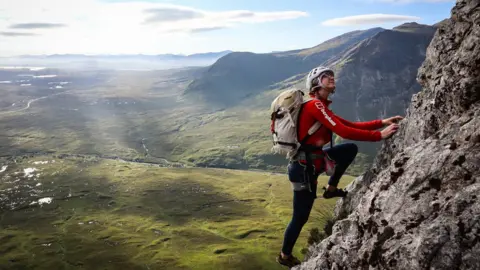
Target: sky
{"x": 38, "y": 27}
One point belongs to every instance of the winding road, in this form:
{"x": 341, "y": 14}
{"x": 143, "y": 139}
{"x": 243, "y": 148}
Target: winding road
{"x": 33, "y": 100}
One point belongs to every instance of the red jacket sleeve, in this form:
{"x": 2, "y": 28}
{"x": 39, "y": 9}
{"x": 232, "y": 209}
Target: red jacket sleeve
{"x": 370, "y": 125}
{"x": 325, "y": 116}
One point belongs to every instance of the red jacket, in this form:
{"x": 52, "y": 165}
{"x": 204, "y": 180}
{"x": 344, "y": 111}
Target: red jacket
{"x": 317, "y": 110}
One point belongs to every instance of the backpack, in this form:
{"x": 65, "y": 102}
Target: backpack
{"x": 285, "y": 111}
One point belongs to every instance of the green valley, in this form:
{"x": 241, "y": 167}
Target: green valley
{"x": 59, "y": 213}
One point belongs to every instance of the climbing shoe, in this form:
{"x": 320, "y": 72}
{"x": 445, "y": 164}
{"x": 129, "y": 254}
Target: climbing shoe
{"x": 290, "y": 261}
{"x": 336, "y": 193}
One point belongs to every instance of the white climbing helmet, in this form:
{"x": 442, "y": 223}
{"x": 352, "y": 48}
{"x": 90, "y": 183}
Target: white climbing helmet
{"x": 314, "y": 77}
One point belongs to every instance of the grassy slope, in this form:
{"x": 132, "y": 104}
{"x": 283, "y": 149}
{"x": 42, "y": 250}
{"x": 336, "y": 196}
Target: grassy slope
{"x": 118, "y": 215}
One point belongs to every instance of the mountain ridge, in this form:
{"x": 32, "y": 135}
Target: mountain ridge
{"x": 152, "y": 56}
{"x": 246, "y": 73}
{"x": 116, "y": 61}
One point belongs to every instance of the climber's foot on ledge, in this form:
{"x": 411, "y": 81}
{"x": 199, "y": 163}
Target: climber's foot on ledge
{"x": 338, "y": 192}
{"x": 289, "y": 261}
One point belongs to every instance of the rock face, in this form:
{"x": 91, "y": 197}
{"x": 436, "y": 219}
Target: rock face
{"x": 417, "y": 207}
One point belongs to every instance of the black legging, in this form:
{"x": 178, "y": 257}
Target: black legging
{"x": 343, "y": 154}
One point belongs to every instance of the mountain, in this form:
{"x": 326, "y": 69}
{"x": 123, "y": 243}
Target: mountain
{"x": 338, "y": 44}
{"x": 209, "y": 54}
{"x": 376, "y": 78}
{"x": 240, "y": 74}
{"x": 121, "y": 61}
{"x": 128, "y": 56}
{"x": 417, "y": 207}
{"x": 413, "y": 27}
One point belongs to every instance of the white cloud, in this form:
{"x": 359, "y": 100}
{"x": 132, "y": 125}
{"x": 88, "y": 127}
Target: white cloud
{"x": 369, "y": 19}
{"x": 181, "y": 19}
{"x": 16, "y": 34}
{"x": 92, "y": 26}
{"x": 36, "y": 25}
{"x": 170, "y": 14}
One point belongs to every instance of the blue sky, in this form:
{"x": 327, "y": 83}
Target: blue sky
{"x": 191, "y": 26}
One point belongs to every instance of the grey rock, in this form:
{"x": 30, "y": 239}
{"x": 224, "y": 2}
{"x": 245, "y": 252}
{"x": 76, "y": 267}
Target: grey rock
{"x": 417, "y": 205}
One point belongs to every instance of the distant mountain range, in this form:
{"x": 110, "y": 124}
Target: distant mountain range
{"x": 240, "y": 74}
{"x": 157, "y": 57}
{"x": 122, "y": 61}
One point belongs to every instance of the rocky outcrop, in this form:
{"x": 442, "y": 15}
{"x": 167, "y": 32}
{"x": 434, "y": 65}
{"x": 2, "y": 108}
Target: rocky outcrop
{"x": 417, "y": 207}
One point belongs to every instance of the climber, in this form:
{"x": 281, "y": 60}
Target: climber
{"x": 320, "y": 83}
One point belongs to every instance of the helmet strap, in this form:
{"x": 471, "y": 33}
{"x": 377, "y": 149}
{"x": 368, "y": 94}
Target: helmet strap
{"x": 314, "y": 92}
{"x": 319, "y": 84}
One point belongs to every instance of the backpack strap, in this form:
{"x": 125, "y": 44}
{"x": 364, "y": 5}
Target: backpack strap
{"x": 314, "y": 128}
